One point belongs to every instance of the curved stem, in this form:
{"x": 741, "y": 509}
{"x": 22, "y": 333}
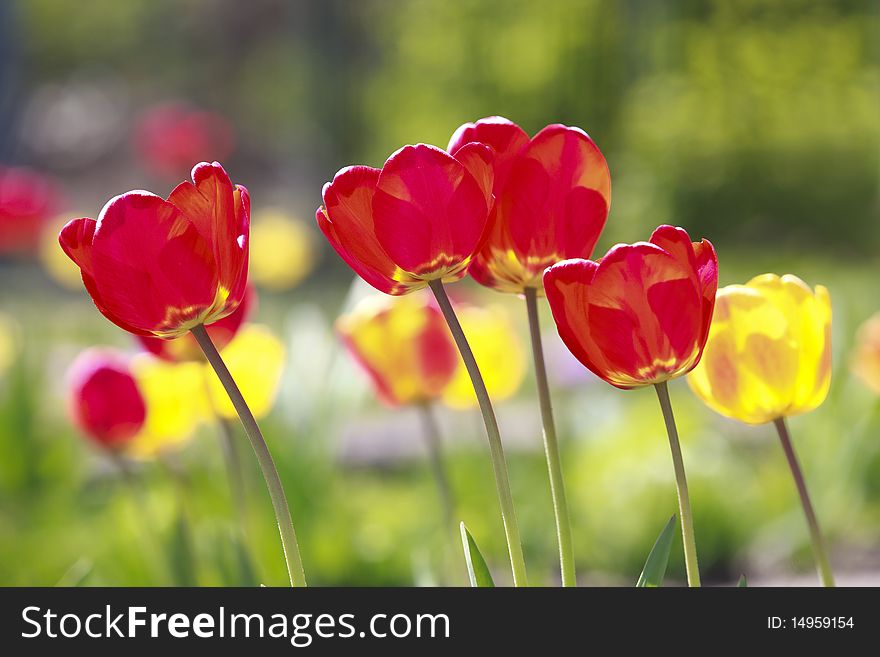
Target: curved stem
{"x": 496, "y": 449}
{"x": 819, "y": 552}
{"x": 551, "y": 445}
{"x": 684, "y": 500}
{"x": 264, "y": 458}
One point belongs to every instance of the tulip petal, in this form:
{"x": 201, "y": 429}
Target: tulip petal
{"x": 553, "y": 206}
{"x": 76, "y": 240}
{"x": 636, "y": 321}
{"x": 506, "y": 138}
{"x": 152, "y": 268}
{"x": 430, "y": 213}
{"x": 347, "y": 222}
{"x": 567, "y": 286}
{"x": 477, "y": 158}
{"x": 208, "y": 203}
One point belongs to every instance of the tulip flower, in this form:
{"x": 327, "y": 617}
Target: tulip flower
{"x": 104, "y": 400}
{"x": 256, "y": 359}
{"x": 640, "y": 316}
{"x": 221, "y": 332}
{"x": 55, "y": 262}
{"x": 552, "y": 195}
{"x": 282, "y": 251}
{"x": 176, "y": 400}
{"x": 169, "y": 136}
{"x": 419, "y": 219}
{"x": 768, "y": 357}
{"x": 866, "y": 359}
{"x": 416, "y": 223}
{"x": 404, "y": 347}
{"x": 27, "y": 201}
{"x": 158, "y": 267}
{"x": 9, "y": 342}
{"x": 163, "y": 267}
{"x": 499, "y": 354}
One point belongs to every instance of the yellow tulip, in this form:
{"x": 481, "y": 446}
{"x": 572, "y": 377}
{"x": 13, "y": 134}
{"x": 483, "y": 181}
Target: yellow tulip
{"x": 282, "y": 251}
{"x": 255, "y": 357}
{"x": 8, "y": 342}
{"x": 498, "y": 352}
{"x": 866, "y": 358}
{"x": 769, "y": 350}
{"x": 403, "y": 345}
{"x": 176, "y": 398}
{"x": 56, "y": 263}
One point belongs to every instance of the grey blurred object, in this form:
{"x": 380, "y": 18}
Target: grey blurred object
{"x": 74, "y": 123}
{"x": 10, "y": 68}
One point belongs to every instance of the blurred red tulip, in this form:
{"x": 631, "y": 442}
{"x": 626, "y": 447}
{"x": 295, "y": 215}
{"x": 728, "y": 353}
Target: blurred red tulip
{"x": 403, "y": 345}
{"x": 161, "y": 267}
{"x": 185, "y": 348}
{"x": 552, "y": 195}
{"x": 641, "y": 314}
{"x": 104, "y": 400}
{"x": 27, "y": 201}
{"x": 420, "y": 218}
{"x": 168, "y": 137}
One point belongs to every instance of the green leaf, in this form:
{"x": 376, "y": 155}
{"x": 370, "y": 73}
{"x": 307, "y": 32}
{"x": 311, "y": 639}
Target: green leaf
{"x": 742, "y": 583}
{"x": 655, "y": 567}
{"x": 478, "y": 571}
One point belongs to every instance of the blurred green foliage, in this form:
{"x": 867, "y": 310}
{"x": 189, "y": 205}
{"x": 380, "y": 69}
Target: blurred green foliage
{"x": 744, "y": 120}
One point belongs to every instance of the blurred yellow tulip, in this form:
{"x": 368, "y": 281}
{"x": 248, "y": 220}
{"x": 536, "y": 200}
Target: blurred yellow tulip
{"x": 62, "y": 269}
{"x": 176, "y": 396}
{"x": 255, "y": 357}
{"x": 498, "y": 352}
{"x": 866, "y": 358}
{"x": 8, "y": 342}
{"x": 769, "y": 350}
{"x": 403, "y": 345}
{"x": 282, "y": 251}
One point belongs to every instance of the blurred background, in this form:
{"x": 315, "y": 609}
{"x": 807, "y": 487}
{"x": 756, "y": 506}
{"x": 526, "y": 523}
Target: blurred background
{"x": 755, "y": 124}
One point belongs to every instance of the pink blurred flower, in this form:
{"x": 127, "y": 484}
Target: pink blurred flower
{"x": 104, "y": 399}
{"x": 170, "y": 136}
{"x": 28, "y": 199}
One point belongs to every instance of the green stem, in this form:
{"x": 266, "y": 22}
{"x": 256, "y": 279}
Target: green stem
{"x": 435, "y": 456}
{"x": 551, "y": 445}
{"x": 496, "y": 449}
{"x": 233, "y": 471}
{"x": 684, "y": 500}
{"x": 264, "y": 458}
{"x": 819, "y": 551}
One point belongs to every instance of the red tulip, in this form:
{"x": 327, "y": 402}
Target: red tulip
{"x": 552, "y": 195}
{"x": 104, "y": 400}
{"x": 169, "y": 136}
{"x": 420, "y": 218}
{"x": 221, "y": 332}
{"x": 27, "y": 200}
{"x": 162, "y": 267}
{"x": 641, "y": 314}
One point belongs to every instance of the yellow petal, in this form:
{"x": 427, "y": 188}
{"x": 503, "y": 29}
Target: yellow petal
{"x": 865, "y": 362}
{"x": 62, "y": 269}
{"x": 282, "y": 251}
{"x": 255, "y": 358}
{"x": 498, "y": 352}
{"x": 769, "y": 350}
{"x": 9, "y": 343}
{"x": 177, "y": 402}
{"x": 404, "y": 345}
